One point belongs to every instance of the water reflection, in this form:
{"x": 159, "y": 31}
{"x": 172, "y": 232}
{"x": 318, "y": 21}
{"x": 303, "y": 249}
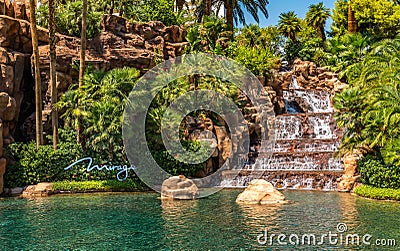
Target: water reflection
{"x": 347, "y": 204}
{"x": 143, "y": 222}
{"x": 258, "y": 215}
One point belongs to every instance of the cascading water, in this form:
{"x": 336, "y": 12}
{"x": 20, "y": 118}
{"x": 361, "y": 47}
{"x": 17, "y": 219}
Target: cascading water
{"x": 306, "y": 139}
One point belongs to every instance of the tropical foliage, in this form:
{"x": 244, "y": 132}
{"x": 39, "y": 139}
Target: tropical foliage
{"x": 102, "y": 99}
{"x": 378, "y": 19}
{"x": 363, "y": 47}
{"x": 316, "y": 17}
{"x": 375, "y": 173}
{"x": 370, "y": 107}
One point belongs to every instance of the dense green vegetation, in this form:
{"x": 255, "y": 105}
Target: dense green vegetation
{"x": 375, "y": 173}
{"x": 365, "y": 55}
{"x": 98, "y": 186}
{"x": 378, "y": 193}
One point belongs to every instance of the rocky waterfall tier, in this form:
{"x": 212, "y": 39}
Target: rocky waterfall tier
{"x": 306, "y": 134}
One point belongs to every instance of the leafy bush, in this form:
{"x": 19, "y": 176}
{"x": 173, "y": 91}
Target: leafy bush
{"x": 33, "y": 165}
{"x": 153, "y": 10}
{"x": 69, "y": 18}
{"x": 378, "y": 193}
{"x": 211, "y": 36}
{"x": 259, "y": 60}
{"x": 292, "y": 50}
{"x": 98, "y": 185}
{"x": 374, "y": 172}
{"x": 313, "y": 50}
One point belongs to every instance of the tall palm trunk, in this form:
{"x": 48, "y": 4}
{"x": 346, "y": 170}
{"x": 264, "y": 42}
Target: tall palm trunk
{"x": 83, "y": 43}
{"x": 321, "y": 33}
{"x": 38, "y": 89}
{"x": 82, "y": 59}
{"x": 179, "y": 4}
{"x": 207, "y": 10}
{"x": 229, "y": 6}
{"x": 53, "y": 58}
{"x": 351, "y": 20}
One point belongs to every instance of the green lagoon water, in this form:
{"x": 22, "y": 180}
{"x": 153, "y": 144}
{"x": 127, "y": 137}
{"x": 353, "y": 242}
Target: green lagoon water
{"x": 141, "y": 221}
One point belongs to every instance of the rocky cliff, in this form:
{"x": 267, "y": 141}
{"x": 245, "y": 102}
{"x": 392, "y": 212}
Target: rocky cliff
{"x": 16, "y": 83}
{"x": 119, "y": 44}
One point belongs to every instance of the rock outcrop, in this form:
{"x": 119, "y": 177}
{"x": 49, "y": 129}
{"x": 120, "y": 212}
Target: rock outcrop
{"x": 119, "y": 44}
{"x": 351, "y": 175}
{"x": 180, "y": 188}
{"x": 260, "y": 192}
{"x": 15, "y": 72}
{"x": 39, "y": 190}
{"x": 16, "y": 9}
{"x": 308, "y": 75}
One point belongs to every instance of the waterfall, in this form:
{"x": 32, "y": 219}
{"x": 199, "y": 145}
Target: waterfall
{"x": 306, "y": 141}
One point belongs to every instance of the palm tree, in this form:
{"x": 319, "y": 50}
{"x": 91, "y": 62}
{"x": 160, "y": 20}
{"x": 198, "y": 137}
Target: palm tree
{"x": 344, "y": 55}
{"x": 83, "y": 42}
{"x": 38, "y": 89}
{"x": 370, "y": 109}
{"x": 52, "y": 40}
{"x": 351, "y": 19}
{"x": 82, "y": 57}
{"x": 234, "y": 11}
{"x": 316, "y": 17}
{"x": 289, "y": 24}
{"x": 103, "y": 97}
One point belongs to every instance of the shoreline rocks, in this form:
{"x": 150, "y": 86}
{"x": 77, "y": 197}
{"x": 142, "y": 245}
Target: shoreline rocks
{"x": 40, "y": 190}
{"x": 261, "y": 192}
{"x": 180, "y": 188}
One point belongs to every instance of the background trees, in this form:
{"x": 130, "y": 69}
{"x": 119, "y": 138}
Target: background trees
{"x": 316, "y": 17}
{"x": 289, "y": 25}
{"x": 378, "y": 19}
{"x": 370, "y": 108}
{"x": 38, "y": 89}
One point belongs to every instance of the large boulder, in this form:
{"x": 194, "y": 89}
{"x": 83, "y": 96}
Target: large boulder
{"x": 260, "y": 191}
{"x": 179, "y": 187}
{"x": 350, "y": 176}
{"x": 40, "y": 190}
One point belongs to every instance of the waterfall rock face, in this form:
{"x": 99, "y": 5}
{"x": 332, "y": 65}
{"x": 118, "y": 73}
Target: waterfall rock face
{"x": 260, "y": 192}
{"x": 180, "y": 188}
{"x": 306, "y": 134}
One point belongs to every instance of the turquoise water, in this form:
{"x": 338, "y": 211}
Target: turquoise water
{"x": 141, "y": 221}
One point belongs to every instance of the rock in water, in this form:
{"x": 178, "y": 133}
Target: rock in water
{"x": 260, "y": 192}
{"x": 180, "y": 188}
{"x": 40, "y": 190}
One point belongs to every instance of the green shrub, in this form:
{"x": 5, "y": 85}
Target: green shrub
{"x": 32, "y": 165}
{"x": 153, "y": 10}
{"x": 175, "y": 167}
{"x": 374, "y": 172}
{"x": 98, "y": 185}
{"x": 69, "y": 18}
{"x": 378, "y": 193}
{"x": 259, "y": 60}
